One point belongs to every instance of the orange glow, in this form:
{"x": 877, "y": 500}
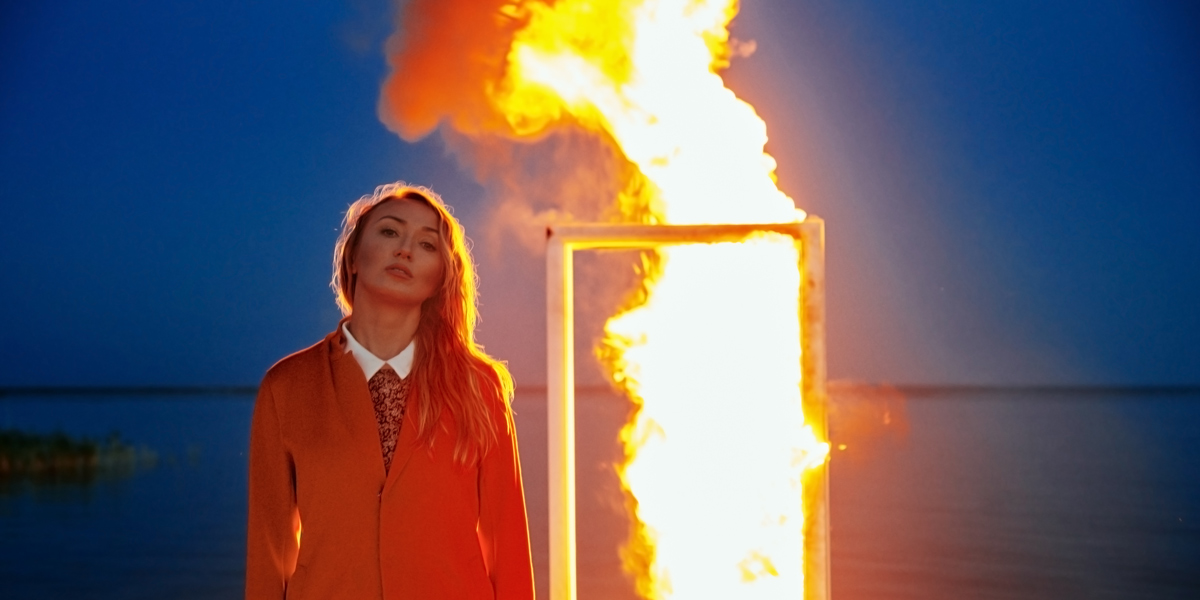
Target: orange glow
{"x": 712, "y": 353}
{"x": 870, "y": 418}
{"x": 709, "y": 348}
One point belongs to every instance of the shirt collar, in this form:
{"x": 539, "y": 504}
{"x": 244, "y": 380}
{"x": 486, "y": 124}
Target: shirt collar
{"x": 401, "y": 363}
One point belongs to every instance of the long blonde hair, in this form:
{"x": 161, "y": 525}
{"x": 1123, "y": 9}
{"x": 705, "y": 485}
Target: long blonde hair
{"x": 451, "y": 372}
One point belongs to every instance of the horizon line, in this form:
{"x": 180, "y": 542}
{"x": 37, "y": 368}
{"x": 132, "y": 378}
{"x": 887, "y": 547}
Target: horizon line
{"x": 908, "y": 389}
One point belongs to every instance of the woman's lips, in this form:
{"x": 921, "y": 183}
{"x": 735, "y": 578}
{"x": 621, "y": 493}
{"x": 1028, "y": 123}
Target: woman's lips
{"x": 400, "y": 270}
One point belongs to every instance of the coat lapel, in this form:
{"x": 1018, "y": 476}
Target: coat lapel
{"x": 406, "y": 445}
{"x": 354, "y": 403}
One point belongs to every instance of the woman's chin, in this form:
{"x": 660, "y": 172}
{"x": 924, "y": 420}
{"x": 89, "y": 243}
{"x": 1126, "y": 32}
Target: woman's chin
{"x": 393, "y": 296}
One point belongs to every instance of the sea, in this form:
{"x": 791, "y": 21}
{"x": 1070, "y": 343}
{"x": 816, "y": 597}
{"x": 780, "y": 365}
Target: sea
{"x": 935, "y": 493}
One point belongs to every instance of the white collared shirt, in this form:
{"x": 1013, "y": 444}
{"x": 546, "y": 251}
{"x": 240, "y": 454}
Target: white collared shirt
{"x": 400, "y": 363}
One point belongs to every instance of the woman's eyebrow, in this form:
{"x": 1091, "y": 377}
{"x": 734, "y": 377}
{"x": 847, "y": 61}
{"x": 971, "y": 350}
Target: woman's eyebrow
{"x": 403, "y": 222}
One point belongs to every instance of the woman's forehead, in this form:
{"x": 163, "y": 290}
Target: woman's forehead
{"x": 409, "y": 210}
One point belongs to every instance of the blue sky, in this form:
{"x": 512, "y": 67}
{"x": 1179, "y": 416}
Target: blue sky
{"x": 1010, "y": 189}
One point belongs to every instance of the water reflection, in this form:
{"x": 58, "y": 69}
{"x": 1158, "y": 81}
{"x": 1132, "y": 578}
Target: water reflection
{"x": 175, "y": 530}
{"x": 966, "y": 495}
{"x": 1019, "y": 495}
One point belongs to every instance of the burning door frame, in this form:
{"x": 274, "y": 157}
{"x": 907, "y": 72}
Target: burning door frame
{"x": 562, "y": 242}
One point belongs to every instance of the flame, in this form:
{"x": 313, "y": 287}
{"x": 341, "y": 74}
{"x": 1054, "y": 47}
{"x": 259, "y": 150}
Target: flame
{"x": 717, "y": 449}
{"x": 710, "y": 346}
{"x": 644, "y": 73}
{"x": 712, "y": 353}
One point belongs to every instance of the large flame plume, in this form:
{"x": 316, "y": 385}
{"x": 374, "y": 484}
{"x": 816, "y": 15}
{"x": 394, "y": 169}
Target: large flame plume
{"x": 710, "y": 348}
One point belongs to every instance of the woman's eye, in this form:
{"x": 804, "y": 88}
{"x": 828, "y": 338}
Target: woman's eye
{"x": 428, "y": 246}
{"x": 388, "y": 232}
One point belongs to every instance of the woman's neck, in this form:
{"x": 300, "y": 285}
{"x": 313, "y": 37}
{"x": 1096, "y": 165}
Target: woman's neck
{"x": 384, "y": 331}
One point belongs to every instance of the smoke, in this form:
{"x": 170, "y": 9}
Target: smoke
{"x": 446, "y": 56}
{"x": 442, "y": 56}
{"x": 567, "y": 175}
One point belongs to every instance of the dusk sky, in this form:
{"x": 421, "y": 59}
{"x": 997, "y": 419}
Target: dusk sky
{"x": 1011, "y": 190}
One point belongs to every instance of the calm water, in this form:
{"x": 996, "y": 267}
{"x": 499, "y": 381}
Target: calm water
{"x": 982, "y": 496}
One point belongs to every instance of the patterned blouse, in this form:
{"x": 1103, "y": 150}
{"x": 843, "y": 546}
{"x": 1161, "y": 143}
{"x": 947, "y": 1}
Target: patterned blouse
{"x": 389, "y": 393}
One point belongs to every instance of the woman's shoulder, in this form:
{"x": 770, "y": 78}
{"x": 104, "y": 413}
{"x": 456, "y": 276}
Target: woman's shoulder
{"x": 497, "y": 388}
{"x": 302, "y": 364}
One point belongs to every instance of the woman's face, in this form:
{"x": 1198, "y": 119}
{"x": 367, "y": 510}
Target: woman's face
{"x": 399, "y": 260}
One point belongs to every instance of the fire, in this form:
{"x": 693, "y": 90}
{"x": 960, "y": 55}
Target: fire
{"x": 710, "y": 351}
{"x": 712, "y": 355}
{"x": 719, "y": 445}
{"x": 644, "y": 73}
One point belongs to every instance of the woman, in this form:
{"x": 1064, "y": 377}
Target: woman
{"x": 396, "y": 477}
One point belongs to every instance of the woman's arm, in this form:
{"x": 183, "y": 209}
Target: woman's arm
{"x": 503, "y": 526}
{"x": 273, "y": 527}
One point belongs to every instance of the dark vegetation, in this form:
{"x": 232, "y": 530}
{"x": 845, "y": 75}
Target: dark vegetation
{"x": 57, "y": 457}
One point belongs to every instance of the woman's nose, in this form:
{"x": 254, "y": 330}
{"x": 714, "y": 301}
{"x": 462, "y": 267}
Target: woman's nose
{"x": 403, "y": 250}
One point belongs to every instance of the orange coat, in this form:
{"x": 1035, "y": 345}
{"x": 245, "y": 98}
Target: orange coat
{"x": 326, "y": 522}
